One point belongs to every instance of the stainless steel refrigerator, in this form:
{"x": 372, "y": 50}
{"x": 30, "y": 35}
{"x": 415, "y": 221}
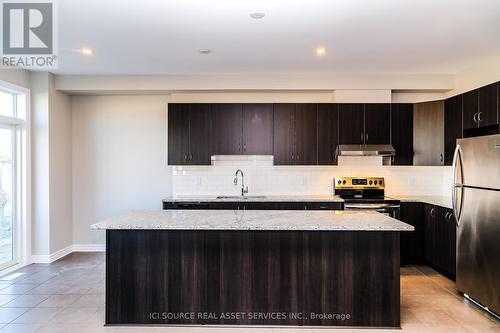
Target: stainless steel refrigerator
{"x": 476, "y": 205}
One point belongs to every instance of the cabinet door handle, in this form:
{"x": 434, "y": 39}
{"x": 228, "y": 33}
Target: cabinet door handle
{"x": 361, "y": 137}
{"x": 433, "y": 212}
{"x": 446, "y": 216}
{"x": 479, "y": 117}
{"x": 293, "y": 157}
{"x": 475, "y": 117}
{"x": 185, "y": 157}
{"x": 190, "y": 157}
{"x": 441, "y": 157}
{"x": 366, "y": 137}
{"x": 298, "y": 157}
{"x": 244, "y": 147}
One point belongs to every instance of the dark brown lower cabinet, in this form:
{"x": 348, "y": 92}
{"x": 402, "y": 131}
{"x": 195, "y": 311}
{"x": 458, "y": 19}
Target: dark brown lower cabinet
{"x": 412, "y": 251}
{"x": 248, "y": 277}
{"x": 440, "y": 239}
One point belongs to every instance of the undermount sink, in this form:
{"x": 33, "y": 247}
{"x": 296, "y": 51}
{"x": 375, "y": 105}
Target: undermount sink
{"x": 240, "y": 197}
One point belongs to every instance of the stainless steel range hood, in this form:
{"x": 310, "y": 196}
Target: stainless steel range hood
{"x": 366, "y": 150}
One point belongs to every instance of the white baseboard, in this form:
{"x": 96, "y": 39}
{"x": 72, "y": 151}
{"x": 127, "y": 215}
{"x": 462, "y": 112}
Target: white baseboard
{"x": 48, "y": 258}
{"x": 89, "y": 247}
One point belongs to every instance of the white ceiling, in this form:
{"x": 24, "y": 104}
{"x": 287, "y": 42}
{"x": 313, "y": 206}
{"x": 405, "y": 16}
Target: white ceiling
{"x": 362, "y": 36}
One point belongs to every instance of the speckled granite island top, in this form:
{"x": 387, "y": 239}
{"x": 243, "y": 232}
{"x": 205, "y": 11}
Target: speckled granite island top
{"x": 253, "y": 220}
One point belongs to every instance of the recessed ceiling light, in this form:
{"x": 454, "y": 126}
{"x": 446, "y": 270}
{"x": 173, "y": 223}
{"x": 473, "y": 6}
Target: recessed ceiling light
{"x": 204, "y": 51}
{"x": 257, "y": 15}
{"x": 320, "y": 51}
{"x": 86, "y": 51}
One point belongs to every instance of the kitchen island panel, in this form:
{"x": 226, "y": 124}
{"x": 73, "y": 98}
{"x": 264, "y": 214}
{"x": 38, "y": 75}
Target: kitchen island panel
{"x": 153, "y": 276}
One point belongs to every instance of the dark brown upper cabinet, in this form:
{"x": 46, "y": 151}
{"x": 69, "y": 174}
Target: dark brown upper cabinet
{"x": 306, "y": 134}
{"x": 402, "y": 133}
{"x": 351, "y": 124}
{"x": 295, "y": 134}
{"x": 328, "y": 134}
{"x": 284, "y": 134}
{"x": 365, "y": 123}
{"x": 377, "y": 123}
{"x": 452, "y": 126}
{"x": 488, "y": 105}
{"x": 188, "y": 130}
{"x": 470, "y": 109}
{"x": 257, "y": 129}
{"x": 227, "y": 129}
{"x": 428, "y": 133}
{"x": 242, "y": 129}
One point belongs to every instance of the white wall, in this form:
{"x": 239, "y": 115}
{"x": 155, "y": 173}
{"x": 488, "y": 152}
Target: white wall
{"x": 480, "y": 74}
{"x": 40, "y": 197}
{"x": 19, "y": 77}
{"x": 119, "y": 154}
{"x": 60, "y": 169}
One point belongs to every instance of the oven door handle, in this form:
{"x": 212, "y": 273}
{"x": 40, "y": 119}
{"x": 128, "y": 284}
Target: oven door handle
{"x": 370, "y": 206}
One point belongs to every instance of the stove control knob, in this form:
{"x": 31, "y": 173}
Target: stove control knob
{"x": 371, "y": 182}
{"x": 380, "y": 182}
{"x": 375, "y": 182}
{"x": 339, "y": 182}
{"x": 344, "y": 182}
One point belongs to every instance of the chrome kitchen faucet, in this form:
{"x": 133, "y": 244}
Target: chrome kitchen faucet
{"x": 243, "y": 189}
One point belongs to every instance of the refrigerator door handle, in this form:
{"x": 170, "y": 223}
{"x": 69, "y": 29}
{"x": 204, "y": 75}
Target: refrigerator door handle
{"x": 457, "y": 157}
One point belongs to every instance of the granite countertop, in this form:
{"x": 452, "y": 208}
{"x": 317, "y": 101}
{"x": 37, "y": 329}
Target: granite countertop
{"x": 253, "y": 220}
{"x": 437, "y": 200}
{"x": 251, "y": 198}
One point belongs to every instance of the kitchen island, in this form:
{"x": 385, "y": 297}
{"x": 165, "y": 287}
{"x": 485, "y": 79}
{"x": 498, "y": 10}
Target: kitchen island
{"x": 310, "y": 268}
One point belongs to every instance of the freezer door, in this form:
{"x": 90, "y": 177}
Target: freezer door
{"x": 478, "y": 247}
{"x": 480, "y": 159}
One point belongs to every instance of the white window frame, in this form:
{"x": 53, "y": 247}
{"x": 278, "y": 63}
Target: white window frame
{"x": 22, "y": 176}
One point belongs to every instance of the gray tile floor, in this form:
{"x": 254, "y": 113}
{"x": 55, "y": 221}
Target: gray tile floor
{"x": 68, "y": 296}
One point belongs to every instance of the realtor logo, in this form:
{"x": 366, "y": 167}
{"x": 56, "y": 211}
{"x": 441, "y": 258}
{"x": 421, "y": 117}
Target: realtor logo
{"x": 28, "y": 35}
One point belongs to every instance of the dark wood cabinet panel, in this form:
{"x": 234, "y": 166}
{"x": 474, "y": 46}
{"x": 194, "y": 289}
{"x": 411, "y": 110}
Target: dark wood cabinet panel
{"x": 470, "y": 109}
{"x": 351, "y": 124}
{"x": 284, "y": 134}
{"x": 488, "y": 105}
{"x": 402, "y": 133}
{"x": 223, "y": 272}
{"x": 452, "y": 126}
{"x": 378, "y": 123}
{"x": 328, "y": 133}
{"x": 430, "y": 232}
{"x": 199, "y": 134}
{"x": 428, "y": 133}
{"x": 440, "y": 239}
{"x": 412, "y": 250}
{"x": 178, "y": 134}
{"x": 257, "y": 129}
{"x": 227, "y": 129}
{"x": 306, "y": 134}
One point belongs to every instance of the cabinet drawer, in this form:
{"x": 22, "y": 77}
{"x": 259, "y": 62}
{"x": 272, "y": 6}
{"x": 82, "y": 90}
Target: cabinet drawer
{"x": 324, "y": 206}
{"x": 185, "y": 205}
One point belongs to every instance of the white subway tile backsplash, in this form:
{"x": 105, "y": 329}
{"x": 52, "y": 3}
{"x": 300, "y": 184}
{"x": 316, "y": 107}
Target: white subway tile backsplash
{"x": 307, "y": 180}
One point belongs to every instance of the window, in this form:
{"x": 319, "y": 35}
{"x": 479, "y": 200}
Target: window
{"x": 13, "y": 204}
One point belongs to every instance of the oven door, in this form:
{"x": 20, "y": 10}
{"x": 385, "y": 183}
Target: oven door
{"x": 389, "y": 209}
